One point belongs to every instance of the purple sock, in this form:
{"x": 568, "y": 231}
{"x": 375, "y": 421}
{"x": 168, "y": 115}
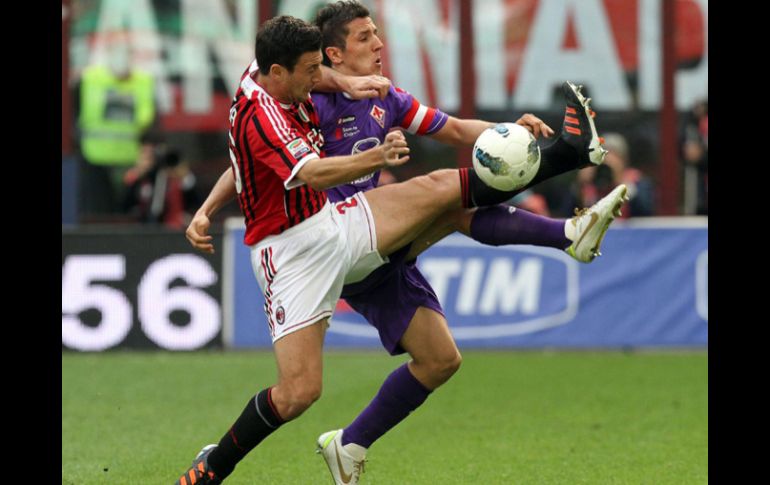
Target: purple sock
{"x": 399, "y": 395}
{"x": 501, "y": 224}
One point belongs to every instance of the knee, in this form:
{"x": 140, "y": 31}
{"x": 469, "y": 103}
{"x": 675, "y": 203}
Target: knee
{"x": 452, "y": 364}
{"x": 443, "y": 367}
{"x": 459, "y": 220}
{"x": 444, "y": 187}
{"x": 296, "y": 399}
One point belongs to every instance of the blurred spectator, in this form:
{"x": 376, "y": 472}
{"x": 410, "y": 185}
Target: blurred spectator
{"x": 641, "y": 191}
{"x": 593, "y": 183}
{"x": 114, "y": 107}
{"x": 163, "y": 192}
{"x": 695, "y": 155}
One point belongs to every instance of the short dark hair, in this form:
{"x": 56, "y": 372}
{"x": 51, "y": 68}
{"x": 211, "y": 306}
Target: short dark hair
{"x": 282, "y": 40}
{"x": 333, "y": 21}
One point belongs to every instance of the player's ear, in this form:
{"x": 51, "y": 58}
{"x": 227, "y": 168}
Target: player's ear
{"x": 278, "y": 71}
{"x": 334, "y": 54}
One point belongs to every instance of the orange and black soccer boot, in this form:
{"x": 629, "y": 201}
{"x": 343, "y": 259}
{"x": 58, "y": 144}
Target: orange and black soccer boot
{"x": 578, "y": 128}
{"x": 200, "y": 473}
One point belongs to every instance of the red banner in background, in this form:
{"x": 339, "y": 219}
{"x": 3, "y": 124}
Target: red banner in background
{"x": 197, "y": 50}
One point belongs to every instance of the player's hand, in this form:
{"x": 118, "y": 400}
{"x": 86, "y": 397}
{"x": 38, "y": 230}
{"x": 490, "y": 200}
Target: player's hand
{"x": 362, "y": 87}
{"x": 535, "y": 125}
{"x": 395, "y": 149}
{"x": 197, "y": 233}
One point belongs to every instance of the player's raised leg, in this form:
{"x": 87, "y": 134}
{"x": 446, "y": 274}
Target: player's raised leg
{"x": 404, "y": 210}
{"x": 433, "y": 204}
{"x": 580, "y": 236}
{"x": 496, "y": 225}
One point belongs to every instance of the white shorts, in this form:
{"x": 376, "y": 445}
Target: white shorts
{"x": 302, "y": 270}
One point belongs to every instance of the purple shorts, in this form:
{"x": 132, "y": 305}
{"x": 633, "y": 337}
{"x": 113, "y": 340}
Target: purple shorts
{"x": 389, "y": 297}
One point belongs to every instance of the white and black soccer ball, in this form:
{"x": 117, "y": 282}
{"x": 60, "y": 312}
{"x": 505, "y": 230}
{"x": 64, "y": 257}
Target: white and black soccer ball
{"x": 506, "y": 157}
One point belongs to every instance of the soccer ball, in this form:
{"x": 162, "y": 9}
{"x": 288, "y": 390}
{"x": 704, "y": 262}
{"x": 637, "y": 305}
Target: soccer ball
{"x": 506, "y": 157}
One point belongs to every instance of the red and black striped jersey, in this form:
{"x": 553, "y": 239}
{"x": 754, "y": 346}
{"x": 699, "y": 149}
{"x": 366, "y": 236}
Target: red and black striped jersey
{"x": 269, "y": 143}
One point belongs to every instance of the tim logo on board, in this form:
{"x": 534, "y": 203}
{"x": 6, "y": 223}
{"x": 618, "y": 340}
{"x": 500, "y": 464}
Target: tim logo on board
{"x": 489, "y": 293}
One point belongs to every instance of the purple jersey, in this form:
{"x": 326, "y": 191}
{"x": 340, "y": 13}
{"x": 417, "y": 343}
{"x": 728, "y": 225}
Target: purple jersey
{"x": 353, "y": 126}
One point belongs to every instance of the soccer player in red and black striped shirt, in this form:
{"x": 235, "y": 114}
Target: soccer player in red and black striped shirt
{"x": 275, "y": 148}
{"x": 269, "y": 142}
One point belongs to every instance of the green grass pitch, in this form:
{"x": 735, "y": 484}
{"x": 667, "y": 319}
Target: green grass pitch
{"x": 505, "y": 417}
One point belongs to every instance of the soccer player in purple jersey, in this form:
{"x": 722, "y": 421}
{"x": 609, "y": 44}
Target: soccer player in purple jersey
{"x": 416, "y": 324}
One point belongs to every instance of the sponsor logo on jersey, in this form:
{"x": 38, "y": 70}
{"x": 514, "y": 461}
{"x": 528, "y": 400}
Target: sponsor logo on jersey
{"x": 365, "y": 144}
{"x": 298, "y": 148}
{"x": 348, "y": 131}
{"x": 379, "y": 115}
{"x": 363, "y": 179}
{"x": 346, "y": 119}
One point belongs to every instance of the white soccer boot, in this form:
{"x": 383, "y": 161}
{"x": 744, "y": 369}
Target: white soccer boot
{"x": 591, "y": 225}
{"x": 346, "y": 463}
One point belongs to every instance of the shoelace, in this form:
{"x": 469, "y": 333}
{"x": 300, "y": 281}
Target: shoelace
{"x": 580, "y": 212}
{"x": 358, "y": 468}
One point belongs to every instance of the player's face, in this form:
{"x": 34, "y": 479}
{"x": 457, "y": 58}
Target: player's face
{"x": 307, "y": 73}
{"x": 363, "y": 49}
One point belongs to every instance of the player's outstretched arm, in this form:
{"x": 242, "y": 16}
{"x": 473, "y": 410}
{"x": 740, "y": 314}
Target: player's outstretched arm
{"x": 358, "y": 87}
{"x": 322, "y": 174}
{"x": 458, "y": 131}
{"x": 222, "y": 193}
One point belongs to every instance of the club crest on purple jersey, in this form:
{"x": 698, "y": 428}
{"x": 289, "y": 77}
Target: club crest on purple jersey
{"x": 379, "y": 115}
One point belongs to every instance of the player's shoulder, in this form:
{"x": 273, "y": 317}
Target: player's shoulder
{"x": 321, "y": 100}
{"x": 264, "y": 105}
{"x": 399, "y": 91}
{"x": 333, "y": 99}
{"x": 398, "y": 95}
{"x": 399, "y": 99}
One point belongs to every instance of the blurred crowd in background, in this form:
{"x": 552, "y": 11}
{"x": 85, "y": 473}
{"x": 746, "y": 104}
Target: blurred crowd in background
{"x": 130, "y": 172}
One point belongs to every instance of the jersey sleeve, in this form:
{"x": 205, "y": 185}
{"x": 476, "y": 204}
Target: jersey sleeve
{"x": 279, "y": 146}
{"x": 415, "y": 117}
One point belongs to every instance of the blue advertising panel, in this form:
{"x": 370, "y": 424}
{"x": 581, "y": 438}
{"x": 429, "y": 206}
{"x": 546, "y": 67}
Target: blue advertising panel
{"x": 649, "y": 289}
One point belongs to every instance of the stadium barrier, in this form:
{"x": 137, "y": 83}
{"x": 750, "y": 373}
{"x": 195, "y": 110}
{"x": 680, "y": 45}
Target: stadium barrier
{"x": 649, "y": 289}
{"x": 143, "y": 288}
{"x": 139, "y": 288}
